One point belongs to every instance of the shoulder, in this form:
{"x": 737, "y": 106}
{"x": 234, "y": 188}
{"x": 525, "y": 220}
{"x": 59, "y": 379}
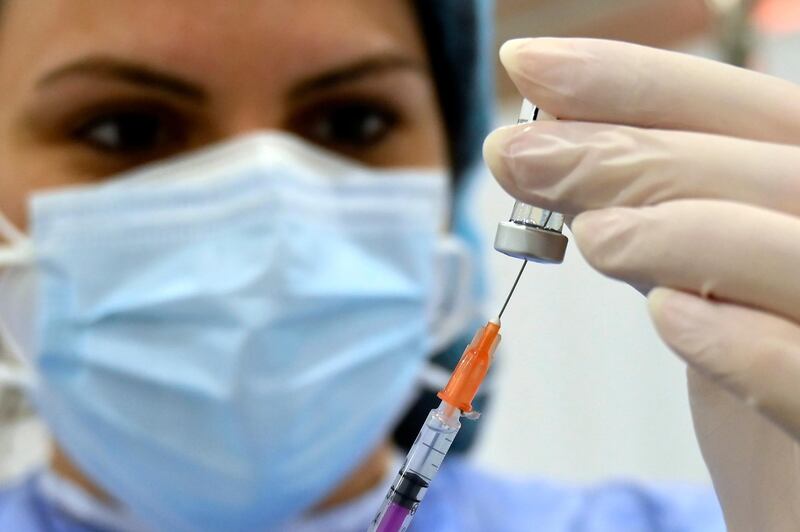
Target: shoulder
{"x": 471, "y": 499}
{"x": 668, "y": 507}
{"x": 20, "y": 508}
{"x": 10, "y": 495}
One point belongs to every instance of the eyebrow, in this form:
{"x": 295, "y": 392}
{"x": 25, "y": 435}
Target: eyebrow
{"x": 126, "y": 71}
{"x": 353, "y": 72}
{"x": 146, "y": 76}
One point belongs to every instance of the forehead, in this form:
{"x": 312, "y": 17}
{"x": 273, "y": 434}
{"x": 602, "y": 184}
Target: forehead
{"x": 262, "y": 37}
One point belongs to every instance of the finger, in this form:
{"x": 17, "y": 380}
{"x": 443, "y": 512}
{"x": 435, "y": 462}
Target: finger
{"x": 750, "y": 458}
{"x": 753, "y": 354}
{"x": 570, "y": 167}
{"x": 605, "y": 81}
{"x": 722, "y": 250}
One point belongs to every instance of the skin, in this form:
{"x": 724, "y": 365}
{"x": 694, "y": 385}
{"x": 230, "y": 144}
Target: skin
{"x": 91, "y": 88}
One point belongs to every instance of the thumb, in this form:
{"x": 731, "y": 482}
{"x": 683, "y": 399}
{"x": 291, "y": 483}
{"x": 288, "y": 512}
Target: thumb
{"x": 753, "y": 354}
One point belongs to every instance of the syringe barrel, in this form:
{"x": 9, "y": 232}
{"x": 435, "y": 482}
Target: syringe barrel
{"x": 420, "y": 467}
{"x": 532, "y": 233}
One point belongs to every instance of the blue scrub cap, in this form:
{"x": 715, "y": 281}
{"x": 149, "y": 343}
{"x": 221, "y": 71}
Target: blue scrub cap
{"x": 459, "y": 35}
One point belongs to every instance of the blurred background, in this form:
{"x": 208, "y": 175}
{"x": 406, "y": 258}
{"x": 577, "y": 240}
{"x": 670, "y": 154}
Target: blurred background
{"x": 583, "y": 390}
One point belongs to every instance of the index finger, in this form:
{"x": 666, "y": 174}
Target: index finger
{"x": 606, "y": 81}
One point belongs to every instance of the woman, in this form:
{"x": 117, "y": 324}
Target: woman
{"x": 223, "y": 340}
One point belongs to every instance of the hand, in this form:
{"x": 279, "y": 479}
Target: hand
{"x": 684, "y": 176}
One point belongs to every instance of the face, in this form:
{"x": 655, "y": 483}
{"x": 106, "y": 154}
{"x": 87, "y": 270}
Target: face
{"x": 93, "y": 87}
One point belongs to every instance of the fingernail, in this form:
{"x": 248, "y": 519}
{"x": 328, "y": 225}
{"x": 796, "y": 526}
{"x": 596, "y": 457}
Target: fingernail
{"x": 532, "y": 158}
{"x": 494, "y": 153}
{"x": 607, "y": 240}
{"x": 509, "y": 53}
{"x": 657, "y": 297}
{"x": 682, "y": 320}
{"x": 675, "y": 306}
{"x": 540, "y": 63}
{"x": 593, "y": 228}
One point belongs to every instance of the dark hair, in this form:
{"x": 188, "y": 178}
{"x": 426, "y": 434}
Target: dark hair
{"x": 458, "y": 38}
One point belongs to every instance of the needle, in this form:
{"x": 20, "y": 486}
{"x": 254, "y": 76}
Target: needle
{"x": 514, "y": 287}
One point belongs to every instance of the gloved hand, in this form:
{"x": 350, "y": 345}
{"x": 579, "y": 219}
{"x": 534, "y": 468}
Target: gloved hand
{"x": 684, "y": 176}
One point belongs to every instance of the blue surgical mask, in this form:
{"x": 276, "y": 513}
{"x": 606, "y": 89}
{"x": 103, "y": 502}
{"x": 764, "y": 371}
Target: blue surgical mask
{"x": 219, "y": 340}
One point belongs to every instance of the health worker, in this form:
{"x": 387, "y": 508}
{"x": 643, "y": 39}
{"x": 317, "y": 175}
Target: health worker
{"x": 235, "y": 235}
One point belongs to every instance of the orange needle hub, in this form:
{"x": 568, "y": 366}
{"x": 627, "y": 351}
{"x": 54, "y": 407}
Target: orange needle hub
{"x": 472, "y": 368}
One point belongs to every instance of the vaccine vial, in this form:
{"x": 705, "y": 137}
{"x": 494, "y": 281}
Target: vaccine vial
{"x": 532, "y": 233}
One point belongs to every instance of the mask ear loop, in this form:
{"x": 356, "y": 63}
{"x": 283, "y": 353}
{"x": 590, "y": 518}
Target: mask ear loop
{"x": 8, "y": 230}
{"x": 19, "y": 254}
{"x": 18, "y": 382}
{"x": 17, "y": 251}
{"x": 460, "y": 311}
{"x": 452, "y": 315}
{"x": 14, "y": 377}
{"x": 17, "y": 372}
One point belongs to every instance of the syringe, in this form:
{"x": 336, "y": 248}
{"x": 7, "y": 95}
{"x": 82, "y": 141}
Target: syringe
{"x": 440, "y": 428}
{"x": 531, "y": 234}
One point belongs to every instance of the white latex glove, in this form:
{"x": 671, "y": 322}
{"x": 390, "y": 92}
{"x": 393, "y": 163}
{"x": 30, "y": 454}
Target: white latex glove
{"x": 690, "y": 173}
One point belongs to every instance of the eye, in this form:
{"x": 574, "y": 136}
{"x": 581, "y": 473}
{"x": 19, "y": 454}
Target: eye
{"x": 347, "y": 125}
{"x": 129, "y": 131}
